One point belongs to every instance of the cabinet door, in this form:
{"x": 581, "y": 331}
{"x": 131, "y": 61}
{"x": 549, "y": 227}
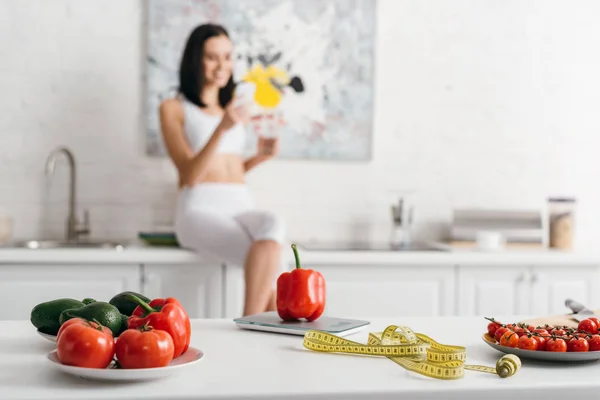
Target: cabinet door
{"x": 371, "y": 291}
{"x": 24, "y": 286}
{"x": 493, "y": 291}
{"x": 197, "y": 287}
{"x": 234, "y": 286}
{"x": 552, "y": 285}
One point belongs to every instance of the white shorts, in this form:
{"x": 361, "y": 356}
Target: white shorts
{"x": 219, "y": 221}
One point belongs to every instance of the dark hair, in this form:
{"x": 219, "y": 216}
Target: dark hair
{"x": 191, "y": 72}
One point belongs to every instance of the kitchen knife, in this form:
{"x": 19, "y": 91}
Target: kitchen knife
{"x": 580, "y": 312}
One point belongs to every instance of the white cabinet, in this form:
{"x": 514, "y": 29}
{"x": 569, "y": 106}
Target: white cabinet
{"x": 370, "y": 290}
{"x": 198, "y": 287}
{"x": 22, "y": 286}
{"x": 234, "y": 283}
{"x": 525, "y": 290}
{"x": 388, "y": 290}
{"x": 552, "y": 285}
{"x": 491, "y": 291}
{"x": 353, "y": 290}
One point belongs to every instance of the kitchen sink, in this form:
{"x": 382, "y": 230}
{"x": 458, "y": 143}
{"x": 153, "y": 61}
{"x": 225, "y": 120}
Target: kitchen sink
{"x": 63, "y": 244}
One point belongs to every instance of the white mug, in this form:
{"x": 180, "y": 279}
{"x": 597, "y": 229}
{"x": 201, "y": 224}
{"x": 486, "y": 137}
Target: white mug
{"x": 244, "y": 94}
{"x": 490, "y": 240}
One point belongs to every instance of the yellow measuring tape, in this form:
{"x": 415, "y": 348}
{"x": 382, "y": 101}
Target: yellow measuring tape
{"x": 414, "y": 351}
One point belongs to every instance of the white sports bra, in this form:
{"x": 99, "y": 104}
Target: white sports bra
{"x": 199, "y": 126}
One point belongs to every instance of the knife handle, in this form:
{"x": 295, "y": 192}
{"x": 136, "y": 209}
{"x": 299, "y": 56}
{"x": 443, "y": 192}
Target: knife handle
{"x": 574, "y": 305}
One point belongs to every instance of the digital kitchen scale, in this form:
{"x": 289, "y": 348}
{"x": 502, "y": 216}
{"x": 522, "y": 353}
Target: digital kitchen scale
{"x": 271, "y": 322}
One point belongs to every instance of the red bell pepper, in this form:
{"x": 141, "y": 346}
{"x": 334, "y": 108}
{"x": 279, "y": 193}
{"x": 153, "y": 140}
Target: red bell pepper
{"x": 163, "y": 314}
{"x": 300, "y": 293}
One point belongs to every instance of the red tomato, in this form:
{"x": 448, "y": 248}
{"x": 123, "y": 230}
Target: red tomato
{"x": 558, "y": 332}
{"x": 579, "y": 344}
{"x": 70, "y": 322}
{"x": 594, "y": 343}
{"x": 589, "y": 326}
{"x": 547, "y": 327}
{"x": 541, "y": 342}
{"x": 86, "y": 344}
{"x": 509, "y": 339}
{"x": 530, "y": 328}
{"x": 492, "y": 327}
{"x": 499, "y": 332}
{"x": 520, "y": 331}
{"x": 541, "y": 331}
{"x": 556, "y": 345}
{"x": 596, "y": 321}
{"x": 528, "y": 343}
{"x": 142, "y": 348}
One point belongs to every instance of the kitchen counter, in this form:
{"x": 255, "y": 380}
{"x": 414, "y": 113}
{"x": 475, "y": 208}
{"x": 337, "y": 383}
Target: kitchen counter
{"x": 131, "y": 254}
{"x": 462, "y": 257}
{"x": 253, "y": 365}
{"x": 147, "y": 254}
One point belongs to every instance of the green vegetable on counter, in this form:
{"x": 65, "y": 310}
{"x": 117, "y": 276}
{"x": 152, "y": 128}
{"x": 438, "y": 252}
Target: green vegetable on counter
{"x": 101, "y": 312}
{"x": 125, "y": 305}
{"x": 46, "y": 316}
{"x": 124, "y": 319}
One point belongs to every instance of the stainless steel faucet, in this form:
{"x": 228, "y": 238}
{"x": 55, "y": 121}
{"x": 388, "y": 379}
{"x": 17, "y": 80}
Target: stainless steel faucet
{"x": 74, "y": 228}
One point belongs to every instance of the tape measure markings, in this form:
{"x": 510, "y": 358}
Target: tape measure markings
{"x": 415, "y": 352}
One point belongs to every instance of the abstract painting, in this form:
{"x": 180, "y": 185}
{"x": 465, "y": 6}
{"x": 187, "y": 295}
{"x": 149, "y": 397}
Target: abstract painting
{"x": 312, "y": 63}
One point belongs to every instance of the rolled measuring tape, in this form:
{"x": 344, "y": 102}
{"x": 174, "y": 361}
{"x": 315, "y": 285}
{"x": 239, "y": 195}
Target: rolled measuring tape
{"x": 414, "y": 351}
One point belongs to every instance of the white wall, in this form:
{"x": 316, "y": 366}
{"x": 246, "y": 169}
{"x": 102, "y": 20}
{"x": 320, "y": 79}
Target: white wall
{"x": 478, "y": 103}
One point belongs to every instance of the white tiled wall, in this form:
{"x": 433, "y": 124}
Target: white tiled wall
{"x": 478, "y": 103}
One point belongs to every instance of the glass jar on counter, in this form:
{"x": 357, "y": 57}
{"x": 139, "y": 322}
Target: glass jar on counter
{"x": 561, "y": 222}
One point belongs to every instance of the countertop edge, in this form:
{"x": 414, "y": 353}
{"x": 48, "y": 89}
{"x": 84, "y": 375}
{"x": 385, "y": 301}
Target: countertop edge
{"x": 166, "y": 255}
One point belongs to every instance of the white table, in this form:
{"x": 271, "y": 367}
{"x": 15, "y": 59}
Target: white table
{"x": 254, "y": 365}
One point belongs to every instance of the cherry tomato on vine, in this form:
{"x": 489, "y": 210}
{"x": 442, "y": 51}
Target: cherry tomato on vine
{"x": 541, "y": 341}
{"x": 528, "y": 343}
{"x": 509, "y": 339}
{"x": 542, "y": 332}
{"x": 594, "y": 342}
{"x": 556, "y": 345}
{"x": 520, "y": 331}
{"x": 499, "y": 332}
{"x": 558, "y": 332}
{"x": 492, "y": 328}
{"x": 548, "y": 328}
{"x": 588, "y": 325}
{"x": 579, "y": 344}
{"x": 596, "y": 320}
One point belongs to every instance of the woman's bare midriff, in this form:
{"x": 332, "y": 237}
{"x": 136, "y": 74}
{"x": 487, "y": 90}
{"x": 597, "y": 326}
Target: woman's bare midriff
{"x": 225, "y": 168}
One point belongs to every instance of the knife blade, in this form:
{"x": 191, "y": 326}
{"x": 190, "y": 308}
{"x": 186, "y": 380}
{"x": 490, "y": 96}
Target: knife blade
{"x": 580, "y": 312}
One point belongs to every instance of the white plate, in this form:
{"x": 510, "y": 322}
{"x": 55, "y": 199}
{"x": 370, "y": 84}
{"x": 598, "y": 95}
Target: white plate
{"x": 49, "y": 337}
{"x": 190, "y": 357}
{"x": 552, "y": 356}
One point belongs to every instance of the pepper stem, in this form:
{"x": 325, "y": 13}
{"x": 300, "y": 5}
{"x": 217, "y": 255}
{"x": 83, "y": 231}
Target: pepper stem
{"x": 145, "y": 328}
{"x": 298, "y": 266}
{"x": 140, "y": 302}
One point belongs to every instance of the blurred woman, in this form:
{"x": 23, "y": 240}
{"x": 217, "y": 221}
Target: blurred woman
{"x": 204, "y": 134}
